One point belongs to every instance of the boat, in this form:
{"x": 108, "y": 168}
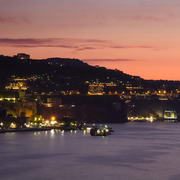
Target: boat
{"x": 102, "y": 130}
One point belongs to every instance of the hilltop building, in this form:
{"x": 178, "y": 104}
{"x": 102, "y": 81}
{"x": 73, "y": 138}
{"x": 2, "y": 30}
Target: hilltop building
{"x": 22, "y": 56}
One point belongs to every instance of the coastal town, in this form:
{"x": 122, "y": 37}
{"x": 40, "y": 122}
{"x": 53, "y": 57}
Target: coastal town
{"x": 45, "y": 93}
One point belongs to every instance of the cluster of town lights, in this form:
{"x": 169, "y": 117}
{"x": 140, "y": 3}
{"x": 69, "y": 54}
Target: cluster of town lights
{"x": 141, "y": 118}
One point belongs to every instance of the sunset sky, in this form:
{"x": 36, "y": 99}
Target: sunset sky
{"x": 139, "y": 37}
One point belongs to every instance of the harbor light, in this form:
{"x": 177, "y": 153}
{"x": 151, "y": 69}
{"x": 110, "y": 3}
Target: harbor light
{"x": 53, "y": 122}
{"x": 53, "y": 118}
{"x": 151, "y": 119}
{"x": 13, "y": 125}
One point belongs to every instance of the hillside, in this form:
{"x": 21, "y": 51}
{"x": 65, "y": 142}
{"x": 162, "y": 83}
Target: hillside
{"x": 58, "y": 71}
{"x": 54, "y": 74}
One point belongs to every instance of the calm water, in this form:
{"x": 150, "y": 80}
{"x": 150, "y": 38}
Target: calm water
{"x": 136, "y": 151}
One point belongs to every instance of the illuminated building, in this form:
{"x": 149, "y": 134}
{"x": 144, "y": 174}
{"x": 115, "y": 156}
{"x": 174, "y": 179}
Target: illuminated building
{"x": 98, "y": 88}
{"x": 17, "y": 84}
{"x": 170, "y": 115}
{"x": 133, "y": 87}
{"x": 9, "y": 97}
{"x": 13, "y": 99}
{"x": 141, "y": 118}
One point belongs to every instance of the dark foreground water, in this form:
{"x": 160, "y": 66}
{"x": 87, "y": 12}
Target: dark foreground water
{"x": 136, "y": 151}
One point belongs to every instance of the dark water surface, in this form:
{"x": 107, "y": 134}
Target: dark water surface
{"x": 136, "y": 151}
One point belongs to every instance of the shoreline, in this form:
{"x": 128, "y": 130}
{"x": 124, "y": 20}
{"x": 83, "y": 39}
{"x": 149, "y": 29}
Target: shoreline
{"x": 24, "y": 130}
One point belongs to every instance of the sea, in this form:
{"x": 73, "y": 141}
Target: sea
{"x": 134, "y": 151}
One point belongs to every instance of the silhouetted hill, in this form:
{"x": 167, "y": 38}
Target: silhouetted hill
{"x": 64, "y": 73}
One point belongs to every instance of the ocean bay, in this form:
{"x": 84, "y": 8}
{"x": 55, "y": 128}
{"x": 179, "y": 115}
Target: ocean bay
{"x": 133, "y": 151}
